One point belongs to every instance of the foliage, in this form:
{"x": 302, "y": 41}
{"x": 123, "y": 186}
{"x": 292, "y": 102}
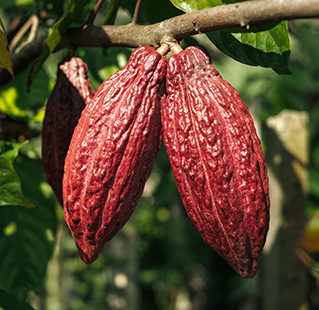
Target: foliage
{"x": 158, "y": 261}
{"x": 5, "y": 61}
{"x": 266, "y": 45}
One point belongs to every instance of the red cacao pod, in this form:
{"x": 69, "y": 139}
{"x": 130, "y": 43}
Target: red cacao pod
{"x": 112, "y": 152}
{"x": 217, "y": 160}
{"x": 71, "y": 93}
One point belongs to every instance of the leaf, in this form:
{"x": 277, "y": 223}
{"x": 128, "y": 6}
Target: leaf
{"x": 15, "y": 101}
{"x": 164, "y": 10}
{"x": 113, "y": 7}
{"x": 27, "y": 235}
{"x": 268, "y": 48}
{"x": 9, "y": 302}
{"x": 5, "y": 58}
{"x": 256, "y": 28}
{"x": 54, "y": 9}
{"x": 10, "y": 3}
{"x": 10, "y": 150}
{"x": 195, "y": 5}
{"x": 10, "y": 186}
{"x": 59, "y": 29}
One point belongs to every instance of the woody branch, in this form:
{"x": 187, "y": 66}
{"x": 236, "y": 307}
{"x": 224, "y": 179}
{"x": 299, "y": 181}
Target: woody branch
{"x": 244, "y": 14}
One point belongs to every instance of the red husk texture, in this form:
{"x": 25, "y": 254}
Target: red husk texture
{"x": 217, "y": 160}
{"x": 112, "y": 152}
{"x": 71, "y": 93}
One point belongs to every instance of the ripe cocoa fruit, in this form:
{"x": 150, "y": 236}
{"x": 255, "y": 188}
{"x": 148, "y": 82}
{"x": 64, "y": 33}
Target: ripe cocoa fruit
{"x": 112, "y": 152}
{"x": 71, "y": 93}
{"x": 217, "y": 159}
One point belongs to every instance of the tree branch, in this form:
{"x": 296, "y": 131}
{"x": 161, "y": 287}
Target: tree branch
{"x": 243, "y": 14}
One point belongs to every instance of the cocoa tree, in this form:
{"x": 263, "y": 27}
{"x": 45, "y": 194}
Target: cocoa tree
{"x": 254, "y": 33}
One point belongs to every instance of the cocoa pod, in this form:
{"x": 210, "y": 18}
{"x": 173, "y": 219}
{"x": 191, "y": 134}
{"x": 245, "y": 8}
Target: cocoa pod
{"x": 112, "y": 152}
{"x": 217, "y": 159}
{"x": 71, "y": 93}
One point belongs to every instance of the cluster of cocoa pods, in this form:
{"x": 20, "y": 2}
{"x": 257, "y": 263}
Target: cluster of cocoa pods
{"x": 106, "y": 155}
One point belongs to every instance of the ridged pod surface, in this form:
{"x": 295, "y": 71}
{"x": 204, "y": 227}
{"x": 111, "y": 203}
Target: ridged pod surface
{"x": 217, "y": 160}
{"x": 112, "y": 152}
{"x": 71, "y": 93}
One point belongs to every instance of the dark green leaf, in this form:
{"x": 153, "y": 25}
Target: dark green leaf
{"x": 54, "y": 8}
{"x": 9, "y": 302}
{"x": 59, "y": 29}
{"x": 27, "y": 235}
{"x": 10, "y": 150}
{"x": 164, "y": 10}
{"x": 10, "y": 186}
{"x": 268, "y": 49}
{"x": 256, "y": 28}
{"x": 111, "y": 12}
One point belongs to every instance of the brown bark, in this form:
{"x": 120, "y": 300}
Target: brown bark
{"x": 244, "y": 14}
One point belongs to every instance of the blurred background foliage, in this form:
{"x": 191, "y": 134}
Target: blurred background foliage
{"x": 158, "y": 261}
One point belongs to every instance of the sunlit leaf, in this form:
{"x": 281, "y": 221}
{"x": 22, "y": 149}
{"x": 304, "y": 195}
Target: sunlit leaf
{"x": 10, "y": 186}
{"x": 5, "y": 58}
{"x": 195, "y": 5}
{"x": 10, "y": 150}
{"x": 16, "y": 102}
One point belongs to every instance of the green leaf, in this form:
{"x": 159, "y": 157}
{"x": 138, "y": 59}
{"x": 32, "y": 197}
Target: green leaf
{"x": 27, "y": 235}
{"x": 10, "y": 150}
{"x": 164, "y": 10}
{"x": 59, "y": 29}
{"x": 5, "y": 58}
{"x": 9, "y": 302}
{"x": 54, "y": 8}
{"x": 103, "y": 63}
{"x": 268, "y": 49}
{"x": 195, "y": 5}
{"x": 256, "y": 28}
{"x": 10, "y": 186}
{"x": 16, "y": 102}
{"x": 266, "y": 45}
{"x": 10, "y": 3}
{"x": 113, "y": 7}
